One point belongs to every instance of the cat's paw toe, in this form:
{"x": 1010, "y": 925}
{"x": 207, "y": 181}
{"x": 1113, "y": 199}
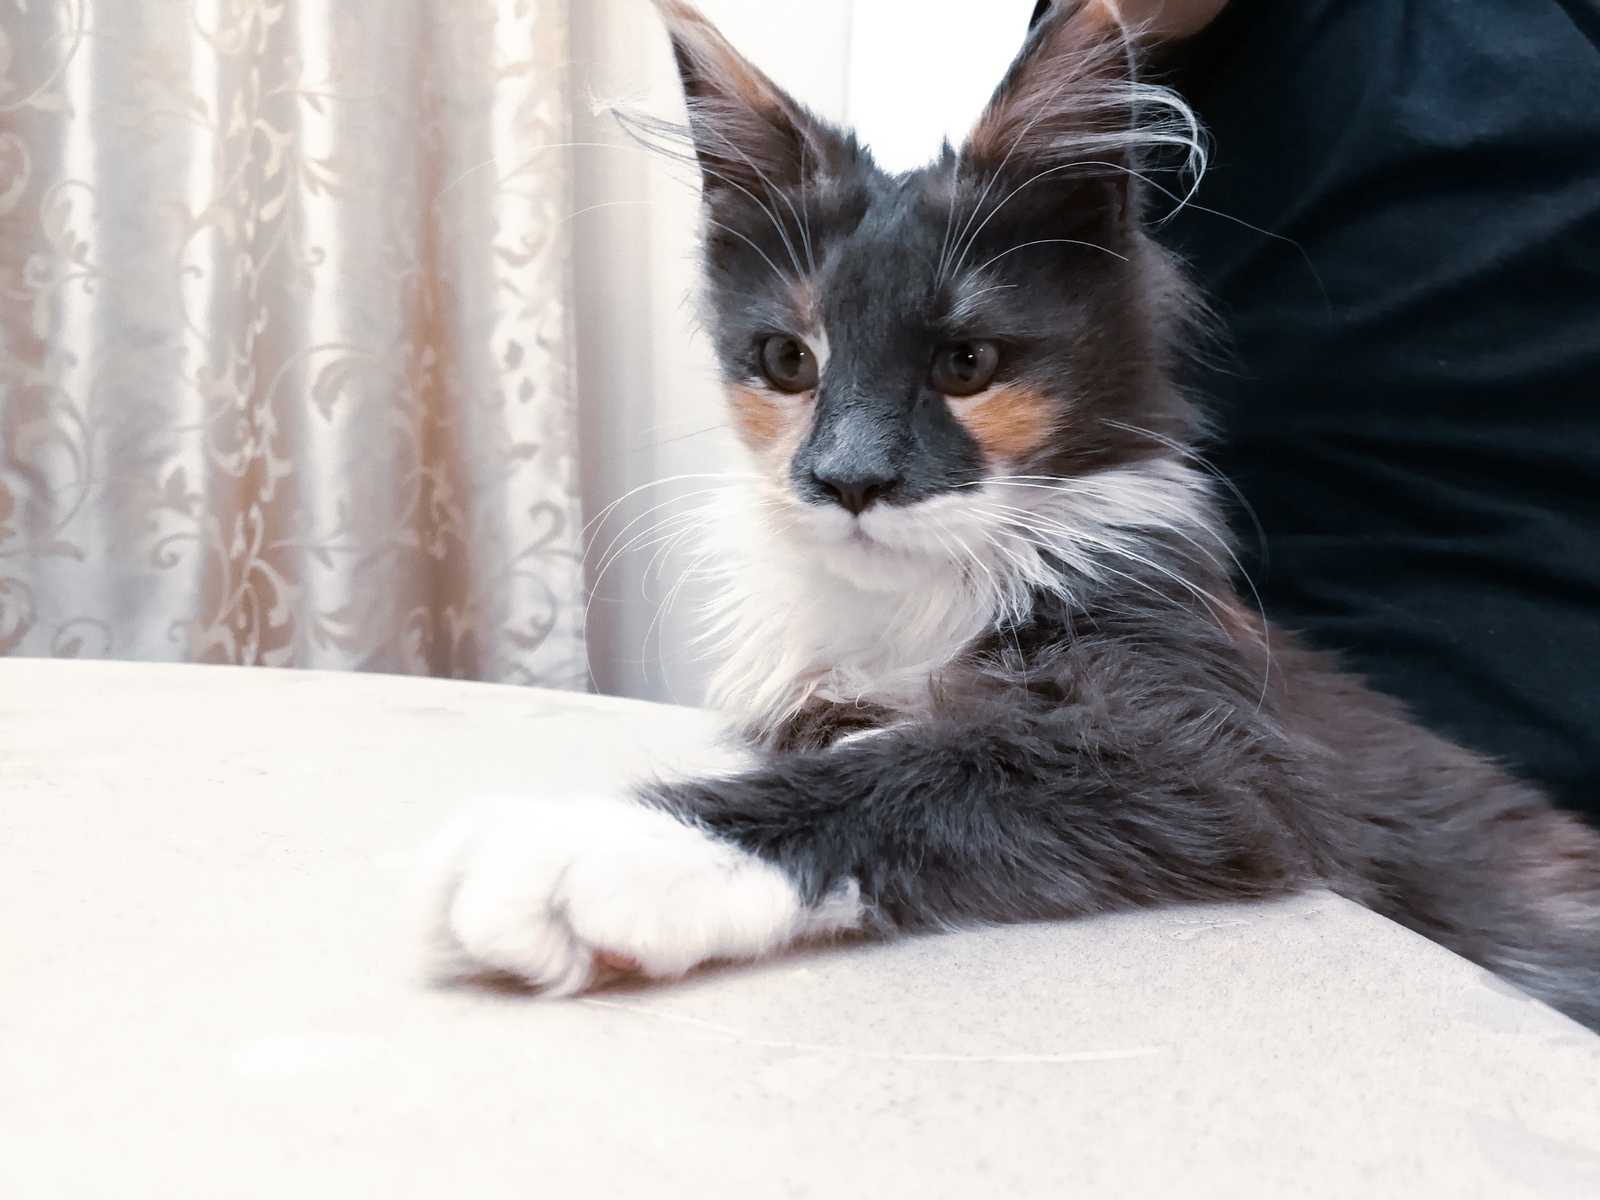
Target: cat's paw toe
{"x": 491, "y": 890}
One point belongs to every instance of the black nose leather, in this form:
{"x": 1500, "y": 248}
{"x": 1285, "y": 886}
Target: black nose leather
{"x": 855, "y": 492}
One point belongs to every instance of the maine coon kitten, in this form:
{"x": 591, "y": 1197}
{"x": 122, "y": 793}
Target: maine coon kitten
{"x": 983, "y": 626}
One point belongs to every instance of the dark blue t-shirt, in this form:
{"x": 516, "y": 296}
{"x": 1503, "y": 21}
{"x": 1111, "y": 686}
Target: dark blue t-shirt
{"x": 1409, "y": 391}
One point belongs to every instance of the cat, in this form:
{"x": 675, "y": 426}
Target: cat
{"x": 983, "y": 632}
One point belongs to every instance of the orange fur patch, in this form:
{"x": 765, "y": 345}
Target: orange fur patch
{"x": 771, "y": 426}
{"x": 1009, "y": 422}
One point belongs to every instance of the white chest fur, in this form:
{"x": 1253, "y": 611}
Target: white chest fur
{"x": 820, "y": 606}
{"x": 842, "y": 624}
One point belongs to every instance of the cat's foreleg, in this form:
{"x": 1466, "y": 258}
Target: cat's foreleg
{"x": 914, "y": 828}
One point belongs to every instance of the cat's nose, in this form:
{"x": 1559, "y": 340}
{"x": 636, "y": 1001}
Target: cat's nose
{"x": 854, "y": 492}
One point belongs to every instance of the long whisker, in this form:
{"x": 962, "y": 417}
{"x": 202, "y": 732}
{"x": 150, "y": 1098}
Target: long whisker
{"x": 1038, "y": 524}
{"x": 772, "y": 216}
{"x": 753, "y": 246}
{"x": 1049, "y": 242}
{"x": 1000, "y": 594}
{"x": 1164, "y": 504}
{"x": 1209, "y": 468}
{"x": 1046, "y": 544}
{"x": 632, "y": 492}
{"x": 611, "y": 553}
{"x": 804, "y": 216}
{"x": 662, "y": 136}
{"x": 1011, "y": 195}
{"x": 658, "y": 621}
{"x": 595, "y": 588}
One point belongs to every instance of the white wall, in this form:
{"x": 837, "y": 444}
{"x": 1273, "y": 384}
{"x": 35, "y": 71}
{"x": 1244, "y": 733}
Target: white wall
{"x": 922, "y": 70}
{"x": 905, "y": 73}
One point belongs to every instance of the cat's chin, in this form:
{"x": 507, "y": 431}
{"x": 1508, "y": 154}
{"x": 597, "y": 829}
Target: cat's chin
{"x": 873, "y": 551}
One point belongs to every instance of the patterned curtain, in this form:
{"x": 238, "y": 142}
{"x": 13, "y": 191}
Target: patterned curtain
{"x": 285, "y": 336}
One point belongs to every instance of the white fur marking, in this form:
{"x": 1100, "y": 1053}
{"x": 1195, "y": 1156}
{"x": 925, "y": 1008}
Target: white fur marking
{"x": 824, "y": 605}
{"x": 538, "y": 889}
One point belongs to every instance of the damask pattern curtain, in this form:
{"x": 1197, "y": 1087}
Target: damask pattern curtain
{"x": 284, "y": 335}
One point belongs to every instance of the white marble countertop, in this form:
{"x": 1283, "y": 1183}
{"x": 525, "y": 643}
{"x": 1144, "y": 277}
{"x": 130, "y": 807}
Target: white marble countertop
{"x": 207, "y": 991}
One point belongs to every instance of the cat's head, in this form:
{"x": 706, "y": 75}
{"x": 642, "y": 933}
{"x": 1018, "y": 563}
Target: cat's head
{"x": 901, "y": 351}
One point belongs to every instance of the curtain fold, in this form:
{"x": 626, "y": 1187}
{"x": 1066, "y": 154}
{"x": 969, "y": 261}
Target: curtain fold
{"x": 285, "y": 335}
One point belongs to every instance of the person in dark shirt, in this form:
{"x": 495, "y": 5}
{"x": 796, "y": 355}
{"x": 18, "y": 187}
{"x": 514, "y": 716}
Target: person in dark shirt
{"x": 1399, "y": 231}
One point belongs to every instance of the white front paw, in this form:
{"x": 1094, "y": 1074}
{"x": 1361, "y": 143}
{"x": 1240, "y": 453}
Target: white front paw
{"x": 540, "y": 890}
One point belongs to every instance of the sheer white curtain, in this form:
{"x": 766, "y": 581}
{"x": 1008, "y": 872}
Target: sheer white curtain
{"x": 285, "y": 335}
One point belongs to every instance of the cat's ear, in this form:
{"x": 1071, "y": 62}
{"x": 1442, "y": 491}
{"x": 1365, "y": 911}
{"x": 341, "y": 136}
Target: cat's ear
{"x": 1071, "y": 108}
{"x": 750, "y": 136}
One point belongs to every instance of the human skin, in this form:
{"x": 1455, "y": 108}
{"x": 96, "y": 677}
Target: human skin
{"x": 1165, "y": 20}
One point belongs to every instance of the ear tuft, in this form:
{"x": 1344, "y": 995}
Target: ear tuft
{"x": 1072, "y": 104}
{"x": 750, "y": 136}
{"x": 709, "y": 65}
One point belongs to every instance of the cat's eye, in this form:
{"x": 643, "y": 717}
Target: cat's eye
{"x": 963, "y": 368}
{"x": 788, "y": 363}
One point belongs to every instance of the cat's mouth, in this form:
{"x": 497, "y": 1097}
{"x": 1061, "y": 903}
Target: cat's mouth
{"x": 857, "y": 536}
{"x": 843, "y": 531}
{"x": 881, "y": 531}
